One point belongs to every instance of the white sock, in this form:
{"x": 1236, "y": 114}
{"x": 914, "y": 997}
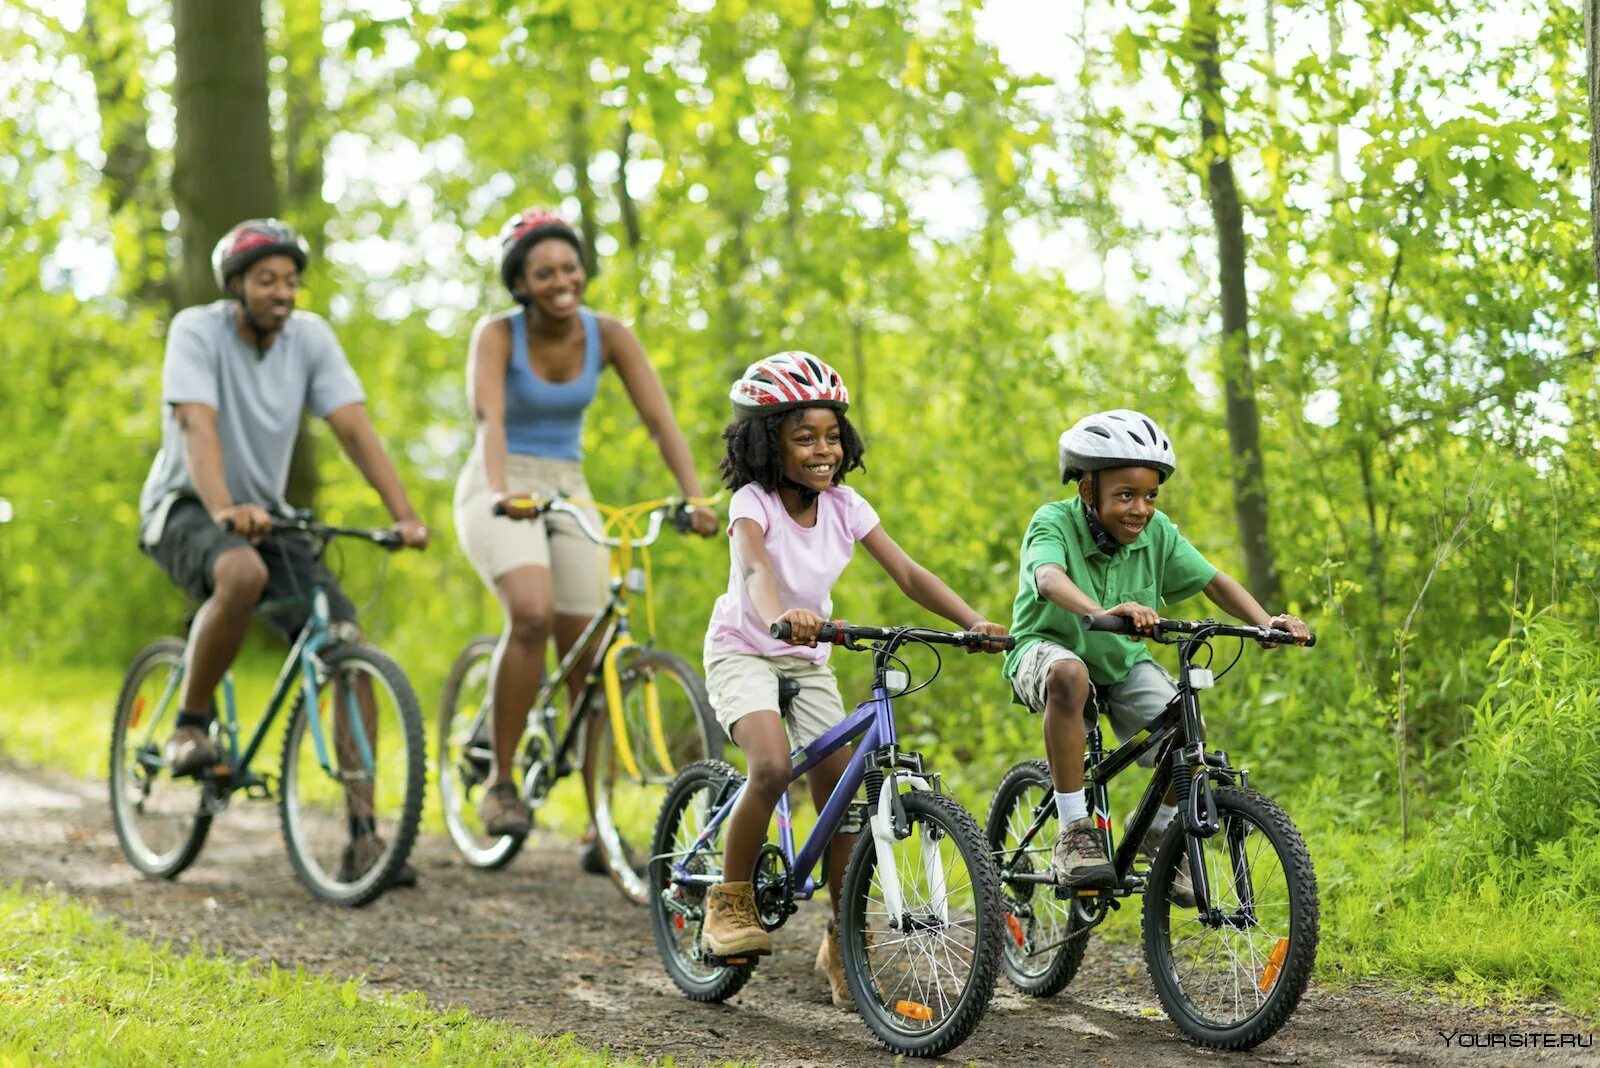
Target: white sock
{"x": 1071, "y": 806}
{"x": 1163, "y": 817}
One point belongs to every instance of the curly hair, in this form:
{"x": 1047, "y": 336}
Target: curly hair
{"x": 755, "y": 453}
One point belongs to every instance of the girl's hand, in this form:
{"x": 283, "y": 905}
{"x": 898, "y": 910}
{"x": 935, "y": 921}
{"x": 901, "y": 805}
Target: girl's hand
{"x": 1144, "y": 617}
{"x": 803, "y": 626}
{"x": 995, "y": 630}
{"x": 1291, "y": 624}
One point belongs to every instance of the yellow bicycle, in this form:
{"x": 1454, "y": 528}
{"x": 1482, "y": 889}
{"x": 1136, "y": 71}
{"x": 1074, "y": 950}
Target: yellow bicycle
{"x": 641, "y": 716}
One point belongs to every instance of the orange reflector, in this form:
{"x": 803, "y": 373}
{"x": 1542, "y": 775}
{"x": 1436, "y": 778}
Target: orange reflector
{"x": 138, "y": 711}
{"x": 677, "y": 922}
{"x": 1016, "y": 929}
{"x": 1269, "y": 974}
{"x": 911, "y": 1010}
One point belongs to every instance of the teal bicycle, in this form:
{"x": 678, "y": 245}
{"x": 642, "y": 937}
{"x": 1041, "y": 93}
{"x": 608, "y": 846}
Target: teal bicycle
{"x": 350, "y": 785}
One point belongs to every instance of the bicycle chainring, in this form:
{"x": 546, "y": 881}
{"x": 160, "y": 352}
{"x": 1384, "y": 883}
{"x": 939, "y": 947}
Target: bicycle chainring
{"x": 774, "y": 888}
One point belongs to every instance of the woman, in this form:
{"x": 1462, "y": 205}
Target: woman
{"x": 532, "y": 373}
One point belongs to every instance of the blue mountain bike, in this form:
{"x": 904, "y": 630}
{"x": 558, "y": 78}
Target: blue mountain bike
{"x": 920, "y": 920}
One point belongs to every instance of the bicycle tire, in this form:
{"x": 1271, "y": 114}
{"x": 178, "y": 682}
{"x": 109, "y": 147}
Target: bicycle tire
{"x": 132, "y": 784}
{"x": 716, "y": 782}
{"x": 457, "y": 775}
{"x": 1034, "y": 916}
{"x": 931, "y": 817}
{"x": 613, "y": 822}
{"x": 296, "y": 816}
{"x": 1239, "y": 811}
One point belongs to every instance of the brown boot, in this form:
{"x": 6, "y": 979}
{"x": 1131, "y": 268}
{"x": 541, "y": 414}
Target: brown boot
{"x": 830, "y": 962}
{"x": 731, "y": 928}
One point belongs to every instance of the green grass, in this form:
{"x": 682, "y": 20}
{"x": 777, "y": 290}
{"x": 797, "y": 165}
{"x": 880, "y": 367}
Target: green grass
{"x": 74, "y": 989}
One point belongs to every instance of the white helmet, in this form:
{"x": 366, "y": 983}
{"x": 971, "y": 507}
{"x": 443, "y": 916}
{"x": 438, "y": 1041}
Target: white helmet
{"x": 1120, "y": 438}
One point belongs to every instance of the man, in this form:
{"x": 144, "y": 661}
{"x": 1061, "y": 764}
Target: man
{"x": 237, "y": 376}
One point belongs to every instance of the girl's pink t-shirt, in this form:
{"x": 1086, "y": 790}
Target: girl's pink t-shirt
{"x": 807, "y": 560}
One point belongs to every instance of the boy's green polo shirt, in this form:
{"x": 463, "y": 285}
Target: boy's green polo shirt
{"x": 1160, "y": 566}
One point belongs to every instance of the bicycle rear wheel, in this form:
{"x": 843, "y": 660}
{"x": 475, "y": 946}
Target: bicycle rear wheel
{"x": 465, "y": 759}
{"x": 677, "y": 909}
{"x": 1229, "y": 979}
{"x": 922, "y": 977}
{"x": 669, "y": 725}
{"x": 1044, "y": 942}
{"x": 161, "y": 821}
{"x": 349, "y": 825}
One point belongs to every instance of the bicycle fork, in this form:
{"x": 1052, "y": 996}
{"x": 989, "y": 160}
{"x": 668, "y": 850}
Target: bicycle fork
{"x": 888, "y": 825}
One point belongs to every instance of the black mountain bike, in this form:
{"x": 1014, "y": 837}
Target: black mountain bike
{"x": 1229, "y": 969}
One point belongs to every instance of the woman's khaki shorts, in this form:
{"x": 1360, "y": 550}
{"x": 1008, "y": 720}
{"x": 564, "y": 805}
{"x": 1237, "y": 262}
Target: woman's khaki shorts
{"x": 742, "y": 683}
{"x": 496, "y": 545}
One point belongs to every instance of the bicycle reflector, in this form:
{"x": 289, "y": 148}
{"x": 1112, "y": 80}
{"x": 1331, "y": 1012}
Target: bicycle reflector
{"x": 1016, "y": 930}
{"x": 1269, "y": 974}
{"x": 913, "y": 1010}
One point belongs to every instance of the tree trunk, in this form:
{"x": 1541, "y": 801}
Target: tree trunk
{"x": 222, "y": 167}
{"x": 112, "y": 54}
{"x": 1591, "y": 38}
{"x": 578, "y": 153}
{"x": 1238, "y": 377}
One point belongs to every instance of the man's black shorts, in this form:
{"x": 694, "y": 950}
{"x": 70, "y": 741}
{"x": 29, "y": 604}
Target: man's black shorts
{"x": 190, "y": 544}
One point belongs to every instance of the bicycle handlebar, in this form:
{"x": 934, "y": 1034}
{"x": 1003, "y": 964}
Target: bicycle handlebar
{"x": 676, "y": 511}
{"x": 389, "y": 539}
{"x": 841, "y": 633}
{"x": 1124, "y": 625}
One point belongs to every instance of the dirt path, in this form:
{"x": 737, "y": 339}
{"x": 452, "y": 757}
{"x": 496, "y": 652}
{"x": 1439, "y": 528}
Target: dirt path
{"x": 544, "y": 946}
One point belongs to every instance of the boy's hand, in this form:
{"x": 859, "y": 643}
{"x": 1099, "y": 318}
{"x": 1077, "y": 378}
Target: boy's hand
{"x": 995, "y": 630}
{"x": 1291, "y": 624}
{"x": 1143, "y": 616}
{"x": 803, "y": 626}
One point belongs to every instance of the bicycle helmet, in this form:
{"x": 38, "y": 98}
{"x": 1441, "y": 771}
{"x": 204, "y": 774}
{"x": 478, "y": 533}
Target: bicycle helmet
{"x": 1118, "y": 438}
{"x": 252, "y": 240}
{"x": 785, "y": 381}
{"x": 521, "y": 233}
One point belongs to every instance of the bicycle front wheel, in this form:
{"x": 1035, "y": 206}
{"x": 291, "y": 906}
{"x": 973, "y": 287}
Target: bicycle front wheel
{"x": 922, "y": 942}
{"x": 668, "y": 725}
{"x": 350, "y": 805}
{"x": 161, "y": 822}
{"x": 1044, "y": 942}
{"x": 1231, "y": 977}
{"x": 465, "y": 758}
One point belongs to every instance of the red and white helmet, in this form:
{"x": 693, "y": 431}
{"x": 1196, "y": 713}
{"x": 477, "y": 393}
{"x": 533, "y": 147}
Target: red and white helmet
{"x": 524, "y": 230}
{"x": 252, "y": 240}
{"x": 785, "y": 381}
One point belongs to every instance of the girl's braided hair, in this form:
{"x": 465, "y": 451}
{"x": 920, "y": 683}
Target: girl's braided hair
{"x": 755, "y": 453}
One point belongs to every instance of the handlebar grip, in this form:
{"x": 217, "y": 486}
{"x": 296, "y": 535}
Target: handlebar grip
{"x": 980, "y": 640}
{"x": 1114, "y": 624}
{"x": 783, "y": 630}
{"x": 1309, "y": 642}
{"x": 226, "y": 524}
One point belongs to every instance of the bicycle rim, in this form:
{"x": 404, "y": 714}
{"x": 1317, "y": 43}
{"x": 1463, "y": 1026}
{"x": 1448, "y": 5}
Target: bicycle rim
{"x": 465, "y": 760}
{"x": 923, "y": 982}
{"x": 160, "y": 821}
{"x": 349, "y": 826}
{"x": 1043, "y": 943}
{"x": 1233, "y": 983}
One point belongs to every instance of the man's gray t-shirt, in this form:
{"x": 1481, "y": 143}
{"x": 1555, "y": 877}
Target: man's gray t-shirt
{"x": 258, "y": 398}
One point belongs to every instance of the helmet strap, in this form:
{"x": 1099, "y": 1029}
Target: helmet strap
{"x": 808, "y": 496}
{"x": 1102, "y": 537}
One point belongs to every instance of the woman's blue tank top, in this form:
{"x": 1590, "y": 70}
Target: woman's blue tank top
{"x": 546, "y": 418}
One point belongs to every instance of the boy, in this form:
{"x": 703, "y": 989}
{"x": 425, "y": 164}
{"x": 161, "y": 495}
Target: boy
{"x": 1107, "y": 545}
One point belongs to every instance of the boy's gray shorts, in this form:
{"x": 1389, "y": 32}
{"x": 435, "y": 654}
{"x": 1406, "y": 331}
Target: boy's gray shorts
{"x": 1133, "y": 704}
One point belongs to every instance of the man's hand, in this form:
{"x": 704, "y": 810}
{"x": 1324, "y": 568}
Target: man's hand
{"x": 247, "y": 520}
{"x": 1291, "y": 624}
{"x": 412, "y": 532}
{"x": 704, "y": 522}
{"x": 1144, "y": 617}
{"x": 995, "y": 630}
{"x": 803, "y": 626}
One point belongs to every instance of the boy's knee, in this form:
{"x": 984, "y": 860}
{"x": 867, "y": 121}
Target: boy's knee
{"x": 1068, "y": 680}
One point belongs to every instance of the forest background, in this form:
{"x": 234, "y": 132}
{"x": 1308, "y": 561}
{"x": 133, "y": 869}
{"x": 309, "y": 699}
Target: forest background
{"x": 1339, "y": 249}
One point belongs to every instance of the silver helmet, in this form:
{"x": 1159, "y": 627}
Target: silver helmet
{"x": 1119, "y": 438}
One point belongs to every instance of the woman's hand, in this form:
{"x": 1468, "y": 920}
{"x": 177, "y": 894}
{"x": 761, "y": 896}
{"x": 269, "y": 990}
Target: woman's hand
{"x": 994, "y": 630}
{"x": 803, "y": 626}
{"x": 1143, "y": 616}
{"x": 412, "y": 532}
{"x": 704, "y": 522}
{"x": 517, "y": 505}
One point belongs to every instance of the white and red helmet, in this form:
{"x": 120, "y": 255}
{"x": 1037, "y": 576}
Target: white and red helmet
{"x": 252, "y": 240}
{"x": 785, "y": 381}
{"x": 524, "y": 230}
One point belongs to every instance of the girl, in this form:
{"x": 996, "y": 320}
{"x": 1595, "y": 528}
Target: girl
{"x": 793, "y": 527}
